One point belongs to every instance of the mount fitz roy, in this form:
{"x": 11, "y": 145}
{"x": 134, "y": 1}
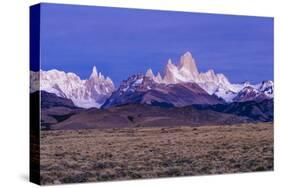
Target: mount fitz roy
{"x": 179, "y": 85}
{"x": 217, "y": 84}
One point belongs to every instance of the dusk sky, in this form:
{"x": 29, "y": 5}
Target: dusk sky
{"x": 122, "y": 42}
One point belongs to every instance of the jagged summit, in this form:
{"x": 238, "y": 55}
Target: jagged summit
{"x": 170, "y": 63}
{"x": 98, "y": 75}
{"x": 187, "y": 63}
{"x": 94, "y": 72}
{"x": 149, "y": 73}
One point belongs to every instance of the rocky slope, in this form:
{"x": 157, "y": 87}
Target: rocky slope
{"x": 53, "y": 109}
{"x": 139, "y": 89}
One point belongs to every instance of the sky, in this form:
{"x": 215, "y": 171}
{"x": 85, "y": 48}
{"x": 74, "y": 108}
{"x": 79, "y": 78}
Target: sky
{"x": 121, "y": 42}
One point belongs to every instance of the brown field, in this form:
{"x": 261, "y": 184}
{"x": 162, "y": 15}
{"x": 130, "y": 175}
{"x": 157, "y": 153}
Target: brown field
{"x": 130, "y": 153}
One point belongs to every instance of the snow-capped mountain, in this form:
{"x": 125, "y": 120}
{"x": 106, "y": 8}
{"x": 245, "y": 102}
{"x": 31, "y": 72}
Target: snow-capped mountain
{"x": 86, "y": 93}
{"x": 256, "y": 92}
{"x": 249, "y": 93}
{"x": 218, "y": 84}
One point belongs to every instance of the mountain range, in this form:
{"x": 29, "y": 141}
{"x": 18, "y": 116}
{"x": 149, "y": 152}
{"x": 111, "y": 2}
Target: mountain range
{"x": 180, "y": 96}
{"x": 179, "y": 85}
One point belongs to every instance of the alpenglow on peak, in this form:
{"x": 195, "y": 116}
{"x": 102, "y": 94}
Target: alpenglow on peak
{"x": 187, "y": 63}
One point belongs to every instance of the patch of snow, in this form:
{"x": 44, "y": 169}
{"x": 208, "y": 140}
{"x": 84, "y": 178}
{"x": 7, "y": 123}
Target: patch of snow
{"x": 125, "y": 89}
{"x": 137, "y": 82}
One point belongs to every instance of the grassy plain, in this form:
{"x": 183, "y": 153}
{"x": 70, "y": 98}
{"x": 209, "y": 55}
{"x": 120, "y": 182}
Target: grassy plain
{"x": 69, "y": 156}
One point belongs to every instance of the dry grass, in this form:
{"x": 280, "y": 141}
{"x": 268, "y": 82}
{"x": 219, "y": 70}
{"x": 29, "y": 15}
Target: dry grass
{"x": 131, "y": 153}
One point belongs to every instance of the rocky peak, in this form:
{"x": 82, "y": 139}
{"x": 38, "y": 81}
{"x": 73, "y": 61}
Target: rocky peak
{"x": 158, "y": 77}
{"x": 170, "y": 71}
{"x": 94, "y": 72}
{"x": 170, "y": 66}
{"x": 149, "y": 73}
{"x": 188, "y": 63}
